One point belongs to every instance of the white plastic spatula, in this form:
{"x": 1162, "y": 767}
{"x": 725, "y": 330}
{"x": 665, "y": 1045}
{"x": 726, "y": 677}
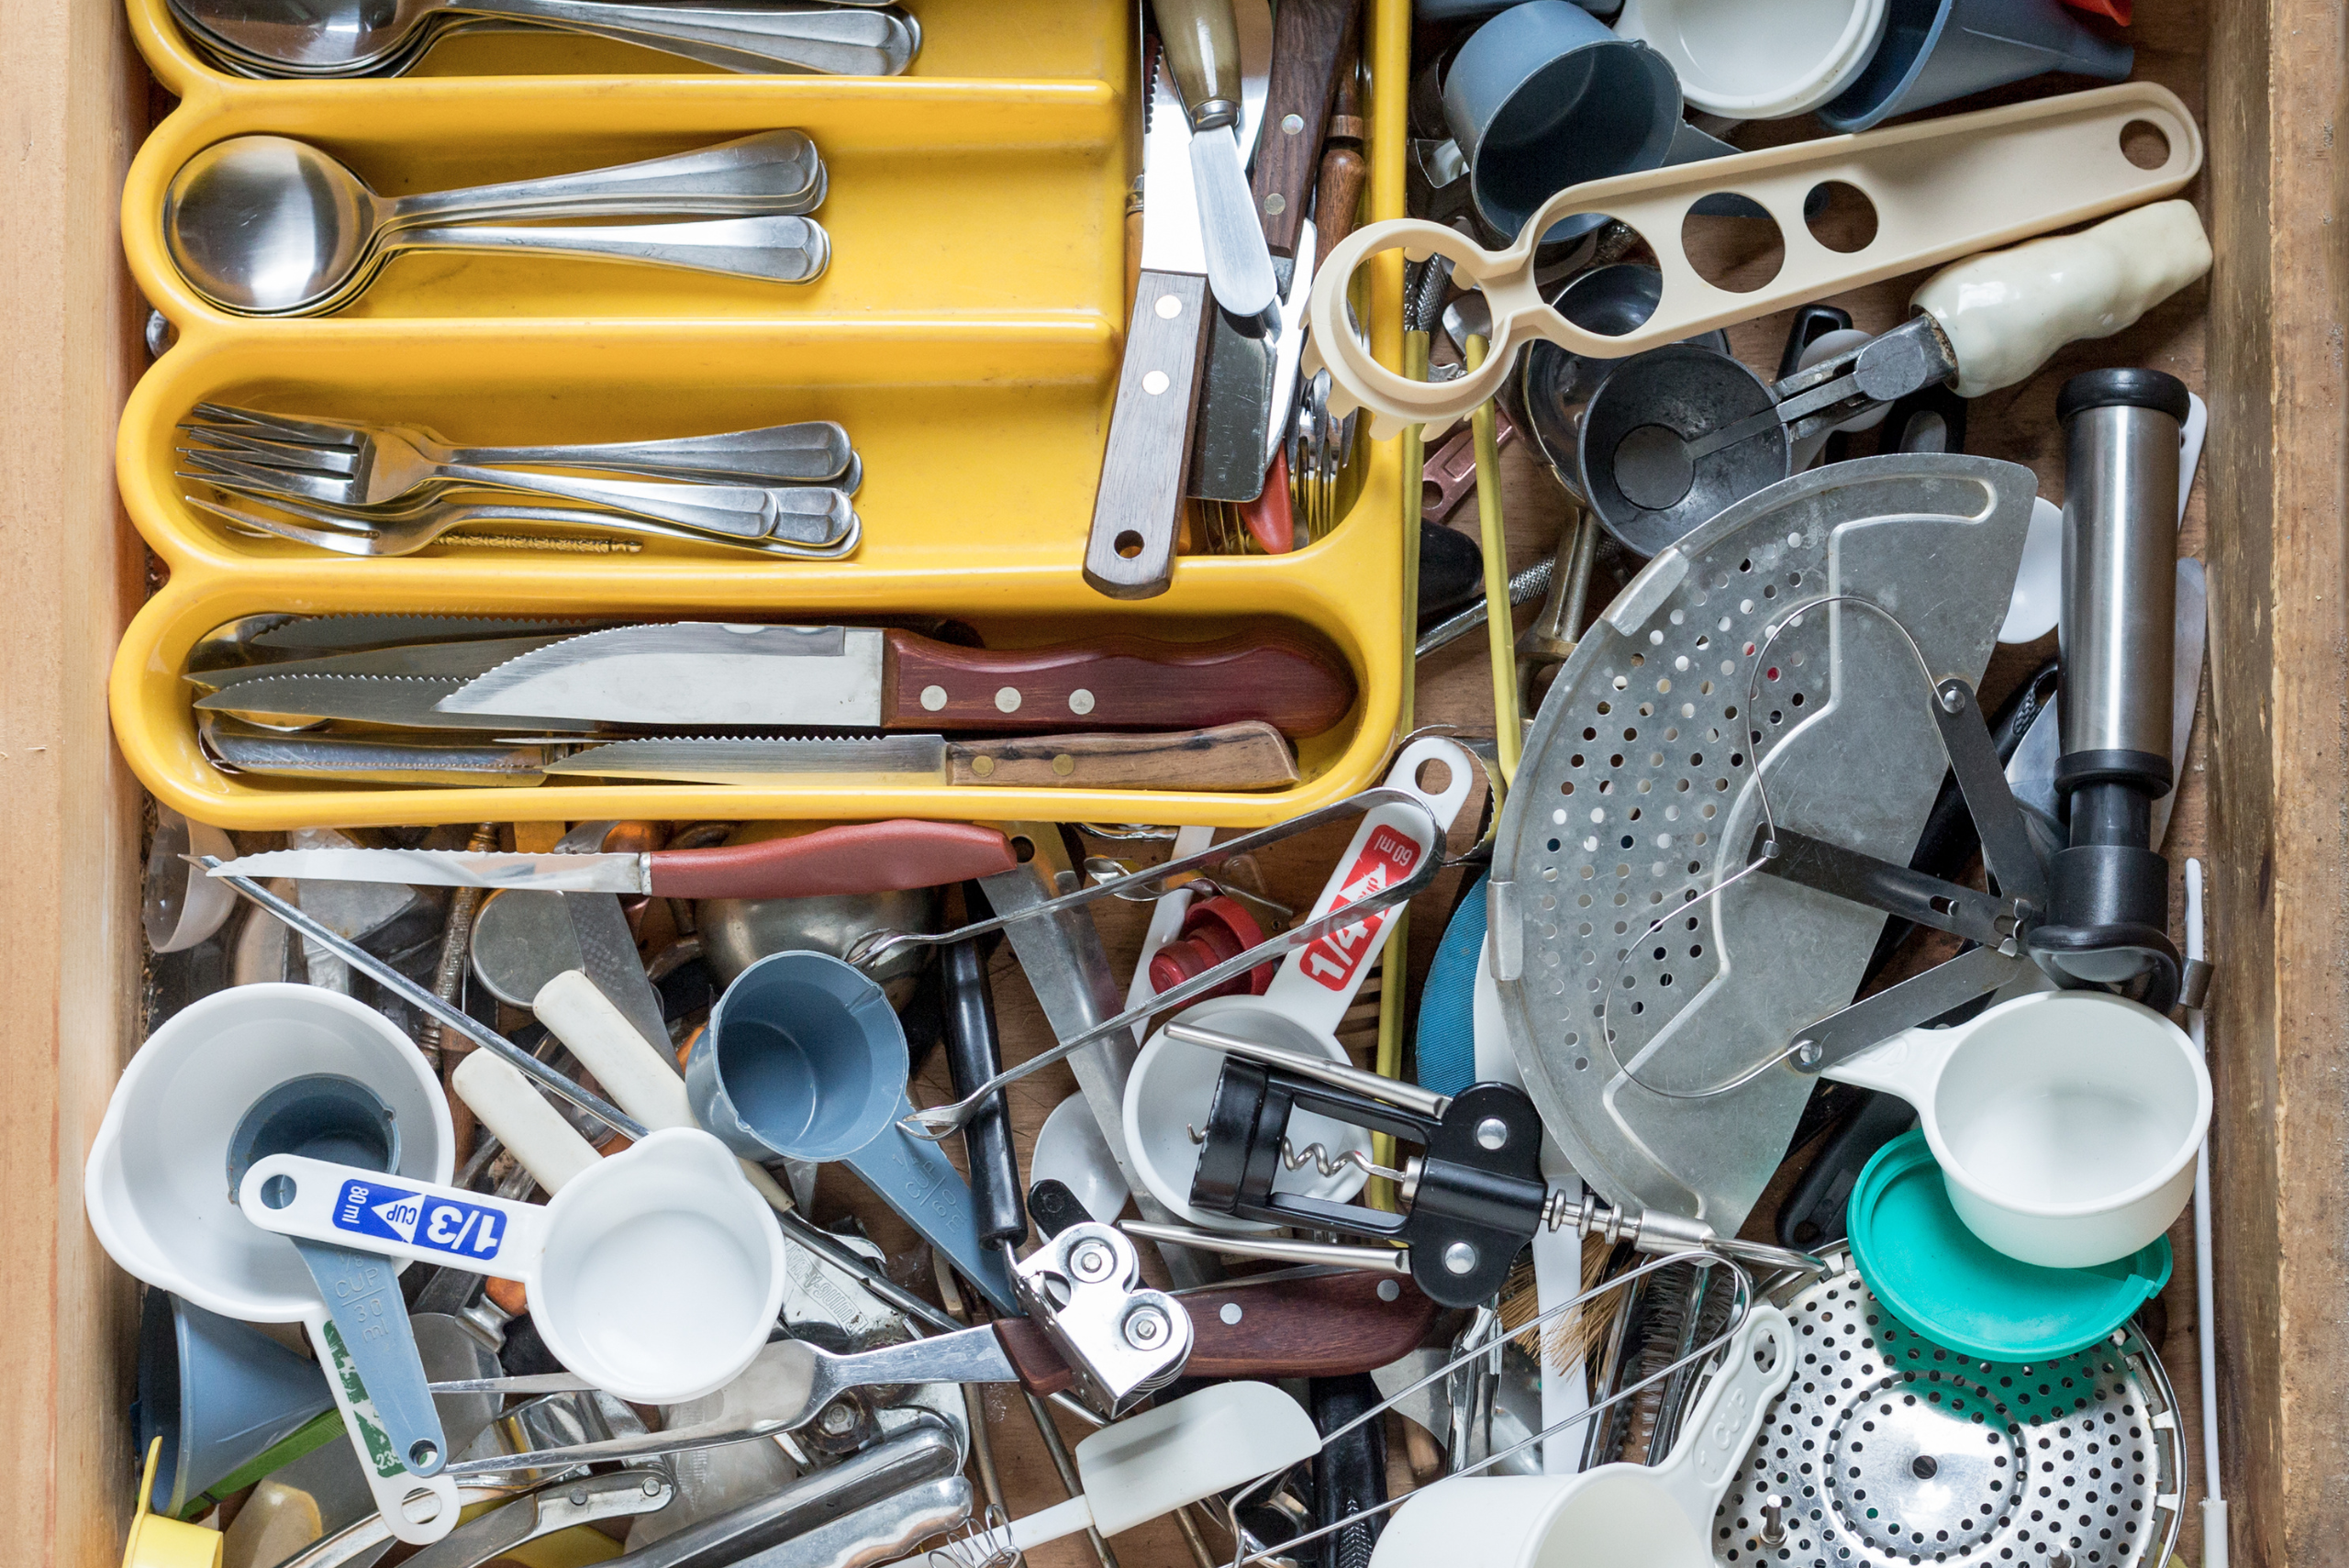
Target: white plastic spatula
{"x": 1152, "y": 1463}
{"x": 1618, "y": 1515}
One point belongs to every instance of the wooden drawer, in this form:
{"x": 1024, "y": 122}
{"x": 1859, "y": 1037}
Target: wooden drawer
{"x": 2267, "y": 791}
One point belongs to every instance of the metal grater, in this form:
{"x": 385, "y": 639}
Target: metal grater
{"x": 1636, "y": 796}
{"x": 1888, "y": 1450}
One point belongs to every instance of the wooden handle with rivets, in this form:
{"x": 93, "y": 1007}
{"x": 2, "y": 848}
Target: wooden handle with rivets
{"x": 1116, "y": 683}
{"x": 1310, "y": 43}
{"x": 1130, "y": 554}
{"x": 1227, "y": 757}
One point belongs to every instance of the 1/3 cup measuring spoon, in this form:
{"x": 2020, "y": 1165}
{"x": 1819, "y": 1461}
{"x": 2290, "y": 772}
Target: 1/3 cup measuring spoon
{"x": 655, "y": 1275}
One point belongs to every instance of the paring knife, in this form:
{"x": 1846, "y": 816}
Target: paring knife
{"x": 1229, "y": 757}
{"x": 873, "y": 856}
{"x": 706, "y": 673}
{"x": 1201, "y": 42}
{"x": 402, "y": 700}
{"x": 458, "y": 659}
{"x": 1129, "y": 553}
{"x": 1317, "y": 1325}
{"x": 242, "y": 748}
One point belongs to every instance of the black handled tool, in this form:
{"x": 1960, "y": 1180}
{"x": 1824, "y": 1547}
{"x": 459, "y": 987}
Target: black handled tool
{"x": 974, "y": 1055}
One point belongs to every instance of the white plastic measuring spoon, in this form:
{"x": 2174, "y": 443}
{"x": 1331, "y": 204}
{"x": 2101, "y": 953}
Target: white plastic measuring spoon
{"x": 1618, "y": 1515}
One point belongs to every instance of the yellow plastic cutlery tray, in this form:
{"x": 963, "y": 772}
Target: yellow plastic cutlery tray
{"x": 967, "y": 334}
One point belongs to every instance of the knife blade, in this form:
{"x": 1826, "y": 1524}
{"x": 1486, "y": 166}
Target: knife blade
{"x": 1311, "y": 39}
{"x": 345, "y": 633}
{"x": 1251, "y": 755}
{"x": 711, "y": 673}
{"x": 462, "y": 660}
{"x": 1236, "y": 388}
{"x": 241, "y": 748}
{"x": 1130, "y": 552}
{"x": 1296, "y": 296}
{"x": 870, "y": 857}
{"x": 607, "y": 950}
{"x": 406, "y": 701}
{"x": 1201, "y": 44}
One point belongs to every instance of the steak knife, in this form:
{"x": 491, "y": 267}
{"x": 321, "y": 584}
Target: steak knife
{"x": 737, "y": 676}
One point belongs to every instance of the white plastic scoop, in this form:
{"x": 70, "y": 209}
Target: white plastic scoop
{"x": 1166, "y": 1458}
{"x": 1618, "y": 1515}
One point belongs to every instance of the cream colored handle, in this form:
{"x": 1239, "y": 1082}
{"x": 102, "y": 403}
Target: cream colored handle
{"x": 534, "y": 1131}
{"x": 631, "y": 1070}
{"x": 1940, "y": 189}
{"x": 2007, "y": 313}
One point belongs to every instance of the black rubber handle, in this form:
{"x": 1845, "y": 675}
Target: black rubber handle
{"x": 1350, "y": 1472}
{"x": 1812, "y": 1215}
{"x": 1054, "y": 1208}
{"x": 974, "y": 1055}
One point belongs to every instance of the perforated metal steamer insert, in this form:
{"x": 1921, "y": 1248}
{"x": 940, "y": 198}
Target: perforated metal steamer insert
{"x": 1636, "y": 795}
{"x": 1888, "y": 1450}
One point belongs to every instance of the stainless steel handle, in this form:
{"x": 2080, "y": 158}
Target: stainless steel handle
{"x": 862, "y": 41}
{"x": 804, "y": 515}
{"x": 776, "y": 249}
{"x": 811, "y": 451}
{"x": 768, "y": 173}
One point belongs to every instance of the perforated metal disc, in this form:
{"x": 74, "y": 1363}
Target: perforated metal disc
{"x": 1888, "y": 1450}
{"x": 1636, "y": 795}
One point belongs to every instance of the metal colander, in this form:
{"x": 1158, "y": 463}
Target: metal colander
{"x": 1888, "y": 1450}
{"x": 1636, "y": 797}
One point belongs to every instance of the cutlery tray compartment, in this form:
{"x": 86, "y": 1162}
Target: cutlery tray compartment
{"x": 966, "y": 335}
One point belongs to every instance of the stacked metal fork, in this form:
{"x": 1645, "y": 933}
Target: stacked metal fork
{"x": 359, "y": 489}
{"x": 270, "y": 39}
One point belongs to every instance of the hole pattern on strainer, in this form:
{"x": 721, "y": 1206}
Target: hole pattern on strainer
{"x": 1656, "y": 757}
{"x": 1888, "y": 1450}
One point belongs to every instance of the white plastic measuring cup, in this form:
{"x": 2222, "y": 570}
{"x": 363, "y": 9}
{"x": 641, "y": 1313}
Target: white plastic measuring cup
{"x": 2065, "y": 1122}
{"x": 1616, "y": 1516}
{"x": 655, "y": 1275}
{"x": 155, "y": 1187}
{"x": 1173, "y": 1085}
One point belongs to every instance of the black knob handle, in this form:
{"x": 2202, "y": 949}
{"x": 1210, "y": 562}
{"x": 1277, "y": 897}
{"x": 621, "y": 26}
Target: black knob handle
{"x": 974, "y": 1055}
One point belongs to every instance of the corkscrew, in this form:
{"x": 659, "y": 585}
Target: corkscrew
{"x": 1317, "y": 1156}
{"x": 1471, "y": 1198}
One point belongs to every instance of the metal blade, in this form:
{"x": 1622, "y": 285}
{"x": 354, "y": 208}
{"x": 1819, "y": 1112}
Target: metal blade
{"x": 690, "y": 673}
{"x": 1253, "y": 21}
{"x": 607, "y": 948}
{"x": 1291, "y": 343}
{"x": 456, "y": 661}
{"x": 241, "y": 748}
{"x": 752, "y": 764}
{"x": 1239, "y": 265}
{"x": 450, "y": 868}
{"x": 323, "y": 633}
{"x": 2190, "y": 630}
{"x": 1169, "y": 210}
{"x": 405, "y": 700}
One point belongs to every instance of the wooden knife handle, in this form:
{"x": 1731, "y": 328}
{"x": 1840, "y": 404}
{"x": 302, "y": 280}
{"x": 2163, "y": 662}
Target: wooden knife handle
{"x": 868, "y": 857}
{"x": 1310, "y": 40}
{"x": 1344, "y": 170}
{"x": 1116, "y": 682}
{"x": 1328, "y": 1326}
{"x": 1227, "y": 757}
{"x": 1202, "y": 42}
{"x": 1131, "y": 553}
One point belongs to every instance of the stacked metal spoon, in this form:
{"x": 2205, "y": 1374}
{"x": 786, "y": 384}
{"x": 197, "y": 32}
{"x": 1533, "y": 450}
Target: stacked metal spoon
{"x": 269, "y": 226}
{"x": 359, "y": 489}
{"x": 277, "y": 39}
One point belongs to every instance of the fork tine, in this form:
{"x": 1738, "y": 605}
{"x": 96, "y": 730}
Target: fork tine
{"x": 266, "y": 480}
{"x": 341, "y": 461}
{"x": 313, "y": 432}
{"x": 362, "y": 543}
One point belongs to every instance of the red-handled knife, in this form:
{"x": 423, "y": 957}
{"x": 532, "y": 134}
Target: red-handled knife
{"x": 870, "y": 857}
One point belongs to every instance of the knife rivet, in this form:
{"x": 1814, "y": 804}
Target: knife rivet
{"x": 1063, "y": 764}
{"x": 1156, "y": 382}
{"x": 1006, "y": 699}
{"x": 1080, "y": 701}
{"x": 933, "y": 698}
{"x": 1389, "y": 1289}
{"x": 1275, "y": 203}
{"x": 1292, "y": 124}
{"x": 1231, "y": 1313}
{"x": 1170, "y": 305}
{"x": 983, "y": 766}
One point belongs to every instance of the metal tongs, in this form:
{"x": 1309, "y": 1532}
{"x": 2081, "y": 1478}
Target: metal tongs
{"x": 937, "y": 1122}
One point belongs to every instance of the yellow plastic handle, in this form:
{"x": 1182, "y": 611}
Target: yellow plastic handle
{"x": 1939, "y": 190}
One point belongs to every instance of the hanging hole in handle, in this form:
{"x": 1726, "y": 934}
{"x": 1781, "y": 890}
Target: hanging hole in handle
{"x": 423, "y": 1453}
{"x": 420, "y": 1506}
{"x": 1432, "y": 776}
{"x": 1128, "y": 545}
{"x": 1840, "y": 217}
{"x": 1737, "y": 254}
{"x": 278, "y": 1192}
{"x": 1766, "y": 1353}
{"x": 2145, "y": 144}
